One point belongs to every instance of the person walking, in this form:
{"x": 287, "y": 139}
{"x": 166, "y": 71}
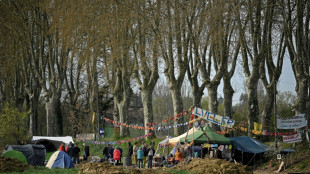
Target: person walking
{"x": 135, "y": 150}
{"x": 150, "y": 154}
{"x": 140, "y": 156}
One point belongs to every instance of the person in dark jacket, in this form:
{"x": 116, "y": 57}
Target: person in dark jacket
{"x": 150, "y": 154}
{"x": 111, "y": 150}
{"x": 106, "y": 152}
{"x": 70, "y": 150}
{"x": 76, "y": 154}
{"x": 130, "y": 152}
{"x": 86, "y": 152}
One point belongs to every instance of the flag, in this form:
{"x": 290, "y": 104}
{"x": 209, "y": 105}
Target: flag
{"x": 93, "y": 120}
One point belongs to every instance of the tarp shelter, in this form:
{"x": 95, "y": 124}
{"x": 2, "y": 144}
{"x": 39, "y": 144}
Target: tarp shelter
{"x": 175, "y": 140}
{"x": 59, "y": 159}
{"x": 35, "y": 154}
{"x": 65, "y": 139}
{"x": 248, "y": 144}
{"x": 247, "y": 150}
{"x": 165, "y": 141}
{"x": 208, "y": 136}
{"x": 50, "y": 145}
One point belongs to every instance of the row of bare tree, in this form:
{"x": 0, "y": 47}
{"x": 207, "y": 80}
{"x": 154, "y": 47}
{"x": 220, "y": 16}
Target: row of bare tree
{"x": 71, "y": 50}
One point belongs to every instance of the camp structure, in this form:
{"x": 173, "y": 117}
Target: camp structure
{"x": 59, "y": 159}
{"x": 65, "y": 139}
{"x": 35, "y": 154}
{"x": 207, "y": 136}
{"x": 247, "y": 150}
{"x": 175, "y": 140}
{"x": 50, "y": 145}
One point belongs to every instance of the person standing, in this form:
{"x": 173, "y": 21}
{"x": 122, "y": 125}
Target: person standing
{"x": 116, "y": 155}
{"x": 150, "y": 154}
{"x": 130, "y": 152}
{"x": 70, "y": 150}
{"x": 144, "y": 155}
{"x": 106, "y": 152}
{"x": 86, "y": 152}
{"x": 135, "y": 150}
{"x": 62, "y": 147}
{"x": 140, "y": 157}
{"x": 111, "y": 150}
{"x": 76, "y": 154}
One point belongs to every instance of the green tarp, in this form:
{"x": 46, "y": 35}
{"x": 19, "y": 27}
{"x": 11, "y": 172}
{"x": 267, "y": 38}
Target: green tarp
{"x": 210, "y": 136}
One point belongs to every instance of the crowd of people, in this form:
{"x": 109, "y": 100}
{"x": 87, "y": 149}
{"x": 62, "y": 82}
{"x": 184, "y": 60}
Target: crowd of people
{"x": 74, "y": 151}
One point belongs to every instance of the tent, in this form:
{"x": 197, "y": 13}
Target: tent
{"x": 248, "y": 144}
{"x": 59, "y": 159}
{"x": 247, "y": 150}
{"x": 65, "y": 139}
{"x": 209, "y": 136}
{"x": 35, "y": 154}
{"x": 50, "y": 145}
{"x": 175, "y": 140}
{"x": 165, "y": 141}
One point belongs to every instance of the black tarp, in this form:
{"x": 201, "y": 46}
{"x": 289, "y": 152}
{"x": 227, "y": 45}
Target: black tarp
{"x": 35, "y": 154}
{"x": 50, "y": 145}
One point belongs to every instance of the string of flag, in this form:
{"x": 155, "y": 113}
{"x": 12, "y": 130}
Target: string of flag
{"x": 117, "y": 142}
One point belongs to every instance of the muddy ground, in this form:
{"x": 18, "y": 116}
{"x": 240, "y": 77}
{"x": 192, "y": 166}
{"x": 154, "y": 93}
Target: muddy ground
{"x": 11, "y": 164}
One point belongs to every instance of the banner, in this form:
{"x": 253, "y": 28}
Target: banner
{"x": 213, "y": 118}
{"x": 93, "y": 119}
{"x": 292, "y": 138}
{"x": 295, "y": 122}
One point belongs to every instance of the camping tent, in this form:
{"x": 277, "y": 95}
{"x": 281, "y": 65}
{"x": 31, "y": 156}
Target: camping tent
{"x": 50, "y": 145}
{"x": 35, "y": 154}
{"x": 247, "y": 149}
{"x": 66, "y": 139}
{"x": 175, "y": 140}
{"x": 59, "y": 159}
{"x": 208, "y": 136}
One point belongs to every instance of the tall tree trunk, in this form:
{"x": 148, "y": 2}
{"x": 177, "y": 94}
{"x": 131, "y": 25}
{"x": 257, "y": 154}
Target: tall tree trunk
{"x": 252, "y": 103}
{"x": 197, "y": 95}
{"x": 147, "y": 107}
{"x": 228, "y": 96}
{"x": 177, "y": 108}
{"x": 123, "y": 113}
{"x": 33, "y": 117}
{"x": 268, "y": 108}
{"x": 53, "y": 119}
{"x": 213, "y": 103}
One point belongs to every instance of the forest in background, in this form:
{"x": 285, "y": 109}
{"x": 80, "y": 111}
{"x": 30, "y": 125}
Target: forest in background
{"x": 63, "y": 61}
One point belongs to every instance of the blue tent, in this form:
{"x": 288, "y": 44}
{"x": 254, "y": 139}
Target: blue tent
{"x": 59, "y": 159}
{"x": 248, "y": 144}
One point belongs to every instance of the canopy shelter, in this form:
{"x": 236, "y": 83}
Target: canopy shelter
{"x": 208, "y": 135}
{"x": 50, "y": 145}
{"x": 247, "y": 149}
{"x": 65, "y": 139}
{"x": 165, "y": 141}
{"x": 175, "y": 140}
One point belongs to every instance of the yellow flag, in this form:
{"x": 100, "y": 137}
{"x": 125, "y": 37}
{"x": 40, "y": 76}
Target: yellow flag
{"x": 93, "y": 120}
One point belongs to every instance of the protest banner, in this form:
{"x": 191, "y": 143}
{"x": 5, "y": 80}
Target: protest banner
{"x": 292, "y": 138}
{"x": 295, "y": 122}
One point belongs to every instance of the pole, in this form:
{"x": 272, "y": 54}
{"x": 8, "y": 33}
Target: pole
{"x": 275, "y": 115}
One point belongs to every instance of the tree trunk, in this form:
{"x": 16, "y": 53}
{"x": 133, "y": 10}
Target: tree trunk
{"x": 252, "y": 103}
{"x": 123, "y": 116}
{"x": 268, "y": 108}
{"x": 177, "y": 108}
{"x": 115, "y": 109}
{"x": 302, "y": 95}
{"x": 147, "y": 107}
{"x": 33, "y": 117}
{"x": 53, "y": 117}
{"x": 197, "y": 95}
{"x": 228, "y": 97}
{"x": 213, "y": 103}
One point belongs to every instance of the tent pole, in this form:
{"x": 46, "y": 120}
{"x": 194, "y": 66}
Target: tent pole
{"x": 242, "y": 157}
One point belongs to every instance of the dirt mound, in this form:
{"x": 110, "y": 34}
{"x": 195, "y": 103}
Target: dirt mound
{"x": 102, "y": 168}
{"x": 213, "y": 166}
{"x": 12, "y": 165}
{"x": 16, "y": 154}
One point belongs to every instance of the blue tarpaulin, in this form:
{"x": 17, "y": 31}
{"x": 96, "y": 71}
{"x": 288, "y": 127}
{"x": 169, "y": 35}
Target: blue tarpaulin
{"x": 248, "y": 144}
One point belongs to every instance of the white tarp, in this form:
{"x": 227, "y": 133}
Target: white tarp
{"x": 295, "y": 122}
{"x": 175, "y": 140}
{"x": 292, "y": 138}
{"x": 65, "y": 139}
